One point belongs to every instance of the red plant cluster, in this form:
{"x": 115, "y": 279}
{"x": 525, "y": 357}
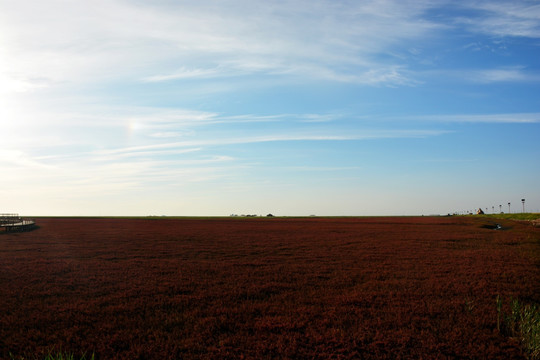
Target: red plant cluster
{"x": 264, "y": 288}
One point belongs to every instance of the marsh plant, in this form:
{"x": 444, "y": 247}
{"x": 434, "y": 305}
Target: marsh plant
{"x": 59, "y": 356}
{"x": 521, "y": 322}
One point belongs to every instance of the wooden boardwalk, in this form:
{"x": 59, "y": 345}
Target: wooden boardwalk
{"x": 13, "y": 222}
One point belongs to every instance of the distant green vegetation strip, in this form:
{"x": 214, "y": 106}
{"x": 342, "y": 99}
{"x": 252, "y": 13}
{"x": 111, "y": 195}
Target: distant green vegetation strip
{"x": 516, "y": 216}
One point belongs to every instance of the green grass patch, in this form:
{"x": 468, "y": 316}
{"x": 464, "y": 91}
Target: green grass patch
{"x": 516, "y": 216}
{"x": 521, "y": 322}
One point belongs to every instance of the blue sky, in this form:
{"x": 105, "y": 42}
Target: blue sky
{"x": 254, "y": 107}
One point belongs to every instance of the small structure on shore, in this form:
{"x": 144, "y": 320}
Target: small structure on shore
{"x": 480, "y": 212}
{"x": 13, "y": 222}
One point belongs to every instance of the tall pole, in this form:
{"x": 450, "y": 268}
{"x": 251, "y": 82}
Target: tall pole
{"x": 523, "y": 202}
{"x": 509, "y": 208}
{"x": 500, "y": 208}
{"x": 493, "y": 209}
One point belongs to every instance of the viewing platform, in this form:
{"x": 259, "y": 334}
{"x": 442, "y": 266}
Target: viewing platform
{"x": 13, "y": 222}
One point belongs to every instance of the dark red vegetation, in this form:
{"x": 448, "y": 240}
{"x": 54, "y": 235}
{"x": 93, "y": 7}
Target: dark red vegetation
{"x": 306, "y": 288}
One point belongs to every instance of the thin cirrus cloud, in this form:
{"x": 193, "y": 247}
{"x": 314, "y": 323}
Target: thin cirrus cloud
{"x": 233, "y": 38}
{"x": 211, "y": 39}
{"x": 505, "y": 18}
{"x": 195, "y": 145}
{"x": 132, "y": 168}
{"x": 185, "y": 73}
{"x": 516, "y": 74}
{"x": 509, "y": 74}
{"x": 516, "y": 118}
{"x": 336, "y": 42}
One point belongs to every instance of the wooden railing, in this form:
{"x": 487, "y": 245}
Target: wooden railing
{"x": 13, "y": 222}
{"x": 7, "y": 219}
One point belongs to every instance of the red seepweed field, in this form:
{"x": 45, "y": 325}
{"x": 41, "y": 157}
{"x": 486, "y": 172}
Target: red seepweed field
{"x": 265, "y": 288}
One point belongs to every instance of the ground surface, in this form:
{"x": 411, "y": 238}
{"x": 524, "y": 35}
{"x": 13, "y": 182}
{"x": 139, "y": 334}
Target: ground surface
{"x": 373, "y": 288}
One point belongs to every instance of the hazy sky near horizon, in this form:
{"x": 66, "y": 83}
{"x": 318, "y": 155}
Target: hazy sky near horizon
{"x": 385, "y": 107}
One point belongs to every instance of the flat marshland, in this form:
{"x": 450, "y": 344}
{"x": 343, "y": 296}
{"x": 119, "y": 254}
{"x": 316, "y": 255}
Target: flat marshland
{"x": 266, "y": 288}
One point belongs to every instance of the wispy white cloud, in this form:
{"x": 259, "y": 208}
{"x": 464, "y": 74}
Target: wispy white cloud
{"x": 88, "y": 175}
{"x": 220, "y": 141}
{"x": 119, "y": 39}
{"x": 506, "y": 74}
{"x": 448, "y": 160}
{"x": 517, "y": 118}
{"x": 10, "y": 82}
{"x": 505, "y": 18}
{"x": 319, "y": 118}
{"x": 12, "y": 158}
{"x": 169, "y": 134}
{"x": 184, "y": 73}
{"x": 322, "y": 168}
{"x": 509, "y": 74}
{"x": 120, "y": 154}
{"x": 344, "y": 42}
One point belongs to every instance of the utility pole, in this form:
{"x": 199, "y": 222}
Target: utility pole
{"x": 500, "y": 208}
{"x": 493, "y": 209}
{"x": 523, "y": 202}
{"x": 509, "y": 207}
